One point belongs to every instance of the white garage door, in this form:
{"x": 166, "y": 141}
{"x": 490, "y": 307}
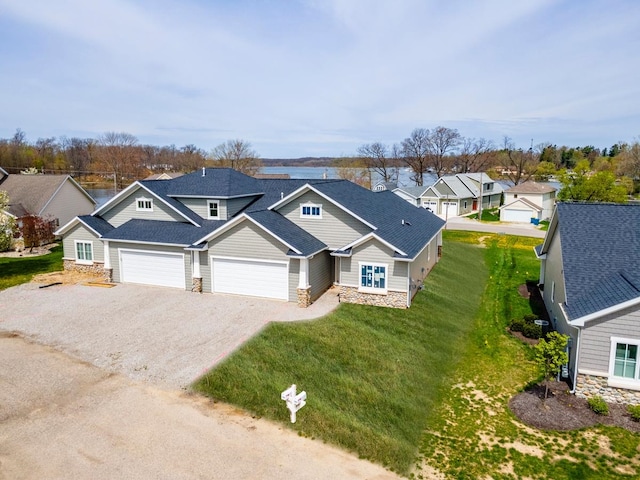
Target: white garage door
{"x": 152, "y": 268}
{"x": 520, "y": 216}
{"x": 450, "y": 209}
{"x": 433, "y": 206}
{"x": 250, "y": 277}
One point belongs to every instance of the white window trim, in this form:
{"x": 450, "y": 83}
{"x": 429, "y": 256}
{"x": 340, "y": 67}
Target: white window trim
{"x": 311, "y": 205}
{"x": 381, "y": 291}
{"x": 144, "y": 209}
{"x": 622, "y": 382}
{"x": 209, "y": 202}
{"x": 75, "y": 246}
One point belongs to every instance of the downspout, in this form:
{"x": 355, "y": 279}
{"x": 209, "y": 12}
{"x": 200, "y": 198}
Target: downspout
{"x": 575, "y": 368}
{"x": 408, "y": 285}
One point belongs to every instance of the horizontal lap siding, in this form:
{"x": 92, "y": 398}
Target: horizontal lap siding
{"x": 126, "y": 210}
{"x": 80, "y": 232}
{"x": 374, "y": 252}
{"x": 294, "y": 278}
{"x": 336, "y": 228}
{"x": 68, "y": 203}
{"x": 115, "y": 261}
{"x": 595, "y": 341}
{"x": 247, "y": 241}
{"x": 201, "y": 206}
{"x": 320, "y": 274}
{"x": 235, "y": 205}
{"x": 425, "y": 260}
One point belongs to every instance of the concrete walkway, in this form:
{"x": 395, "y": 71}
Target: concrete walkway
{"x": 522, "y": 229}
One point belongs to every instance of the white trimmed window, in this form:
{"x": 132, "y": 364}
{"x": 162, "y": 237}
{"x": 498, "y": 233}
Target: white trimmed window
{"x": 310, "y": 210}
{"x": 84, "y": 252}
{"x": 373, "y": 277}
{"x": 144, "y": 204}
{"x": 213, "y": 209}
{"x": 623, "y": 361}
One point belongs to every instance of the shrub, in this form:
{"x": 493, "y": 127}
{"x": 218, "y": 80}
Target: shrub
{"x": 530, "y": 317}
{"x": 634, "y": 411}
{"x": 598, "y": 405}
{"x": 516, "y": 325}
{"x": 531, "y": 330}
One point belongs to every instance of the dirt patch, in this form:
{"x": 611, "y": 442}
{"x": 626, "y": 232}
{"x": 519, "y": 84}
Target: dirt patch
{"x": 30, "y": 252}
{"x": 67, "y": 278}
{"x": 522, "y": 338}
{"x": 523, "y": 290}
{"x": 564, "y": 411}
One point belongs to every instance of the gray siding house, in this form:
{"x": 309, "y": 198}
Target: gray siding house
{"x": 590, "y": 280}
{"x": 219, "y": 231}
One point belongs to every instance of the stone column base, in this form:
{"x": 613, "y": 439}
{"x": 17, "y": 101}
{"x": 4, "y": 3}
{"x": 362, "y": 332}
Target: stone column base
{"x": 588, "y": 386}
{"x": 304, "y": 297}
{"x": 196, "y": 285}
{"x": 72, "y": 266}
{"x": 439, "y": 251}
{"x": 391, "y": 299}
{"x": 108, "y": 275}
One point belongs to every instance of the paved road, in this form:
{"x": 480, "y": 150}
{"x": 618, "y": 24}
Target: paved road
{"x": 62, "y": 418}
{"x": 525, "y": 230}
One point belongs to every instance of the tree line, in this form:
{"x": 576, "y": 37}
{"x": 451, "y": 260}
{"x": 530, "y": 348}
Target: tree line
{"x": 120, "y": 157}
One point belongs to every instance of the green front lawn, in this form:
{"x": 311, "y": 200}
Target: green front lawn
{"x": 17, "y": 270}
{"x": 424, "y": 390}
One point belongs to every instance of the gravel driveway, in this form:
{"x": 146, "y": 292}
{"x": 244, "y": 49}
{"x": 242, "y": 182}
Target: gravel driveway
{"x": 165, "y": 336}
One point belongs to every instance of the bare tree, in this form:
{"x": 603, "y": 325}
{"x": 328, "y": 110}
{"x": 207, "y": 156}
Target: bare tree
{"x": 118, "y": 154}
{"x": 475, "y": 155}
{"x": 237, "y": 154}
{"x": 355, "y": 170}
{"x": 415, "y": 151}
{"x": 441, "y": 142}
{"x": 376, "y": 157}
{"x": 518, "y": 165}
{"x": 191, "y": 158}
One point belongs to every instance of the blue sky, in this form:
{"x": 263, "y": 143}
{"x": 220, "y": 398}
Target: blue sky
{"x": 320, "y": 78}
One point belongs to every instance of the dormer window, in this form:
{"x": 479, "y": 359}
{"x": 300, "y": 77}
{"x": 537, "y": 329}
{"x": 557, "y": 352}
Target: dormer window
{"x": 213, "y": 209}
{"x": 310, "y": 210}
{"x": 144, "y": 204}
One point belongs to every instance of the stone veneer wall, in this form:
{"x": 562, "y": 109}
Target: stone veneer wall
{"x": 196, "y": 285}
{"x": 391, "y": 299}
{"x": 72, "y": 266}
{"x": 588, "y": 386}
{"x": 304, "y": 297}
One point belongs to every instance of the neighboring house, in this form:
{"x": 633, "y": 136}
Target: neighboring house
{"x": 222, "y": 231}
{"x": 454, "y": 195}
{"x": 382, "y": 186}
{"x": 55, "y": 197}
{"x": 527, "y": 201}
{"x": 590, "y": 281}
{"x": 164, "y": 176}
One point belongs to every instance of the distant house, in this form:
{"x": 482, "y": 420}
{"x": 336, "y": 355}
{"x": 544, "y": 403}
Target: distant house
{"x": 454, "y": 195}
{"x": 526, "y": 201}
{"x": 220, "y": 231}
{"x": 383, "y": 186}
{"x": 273, "y": 176}
{"x": 56, "y": 197}
{"x": 590, "y": 281}
{"x": 164, "y": 176}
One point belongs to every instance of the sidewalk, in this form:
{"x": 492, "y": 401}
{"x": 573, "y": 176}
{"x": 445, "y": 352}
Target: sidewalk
{"x": 522, "y": 229}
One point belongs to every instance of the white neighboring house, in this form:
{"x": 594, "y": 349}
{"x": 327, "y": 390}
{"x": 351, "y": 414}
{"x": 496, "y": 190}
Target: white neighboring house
{"x": 526, "y": 201}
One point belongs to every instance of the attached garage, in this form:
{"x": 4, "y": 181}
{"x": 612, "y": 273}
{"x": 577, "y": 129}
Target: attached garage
{"x": 256, "y": 278}
{"x": 450, "y": 209}
{"x": 152, "y": 268}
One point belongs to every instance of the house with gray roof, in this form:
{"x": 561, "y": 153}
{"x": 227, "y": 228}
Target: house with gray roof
{"x": 590, "y": 282}
{"x": 526, "y": 201}
{"x": 58, "y": 198}
{"x": 220, "y": 231}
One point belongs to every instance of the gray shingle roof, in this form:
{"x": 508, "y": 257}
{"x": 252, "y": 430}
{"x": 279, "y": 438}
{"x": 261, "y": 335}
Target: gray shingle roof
{"x": 98, "y": 224}
{"x": 164, "y": 232}
{"x": 531, "y": 187}
{"x": 600, "y": 254}
{"x": 161, "y": 188}
{"x": 288, "y": 231}
{"x": 215, "y": 183}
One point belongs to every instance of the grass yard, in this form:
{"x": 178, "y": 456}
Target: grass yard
{"x": 425, "y": 391}
{"x": 17, "y": 270}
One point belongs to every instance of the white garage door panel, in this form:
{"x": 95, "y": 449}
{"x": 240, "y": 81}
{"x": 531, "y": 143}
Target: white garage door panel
{"x": 250, "y": 277}
{"x": 521, "y": 216}
{"x": 152, "y": 268}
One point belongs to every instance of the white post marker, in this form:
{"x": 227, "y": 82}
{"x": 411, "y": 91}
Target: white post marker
{"x": 294, "y": 401}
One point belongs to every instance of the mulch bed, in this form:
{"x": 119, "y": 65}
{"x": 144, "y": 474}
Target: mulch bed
{"x": 564, "y": 411}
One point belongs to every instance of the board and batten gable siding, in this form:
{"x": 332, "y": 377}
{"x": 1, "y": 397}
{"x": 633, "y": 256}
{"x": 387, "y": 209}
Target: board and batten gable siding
{"x": 125, "y": 210}
{"x": 80, "y": 232}
{"x": 68, "y": 203}
{"x": 423, "y": 264}
{"x": 595, "y": 338}
{"x": 444, "y": 189}
{"x": 248, "y": 241}
{"x": 373, "y": 252}
{"x": 320, "y": 273}
{"x": 336, "y": 228}
{"x": 115, "y": 260}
